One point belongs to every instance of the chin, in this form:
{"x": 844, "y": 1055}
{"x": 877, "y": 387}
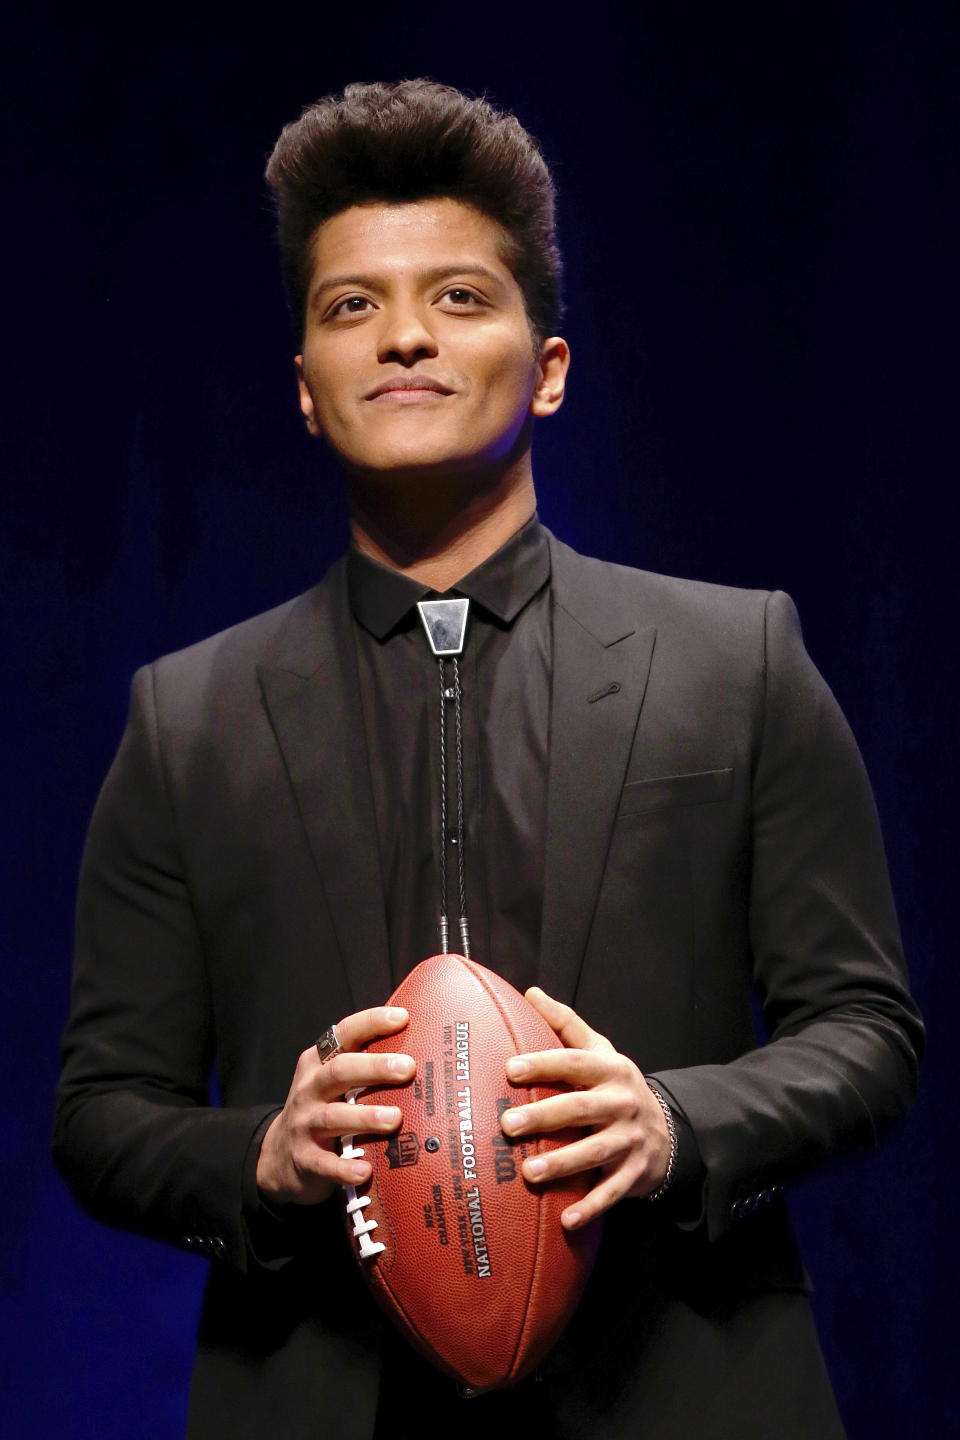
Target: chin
{"x": 406, "y": 466}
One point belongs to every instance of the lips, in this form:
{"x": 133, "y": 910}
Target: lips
{"x": 413, "y": 385}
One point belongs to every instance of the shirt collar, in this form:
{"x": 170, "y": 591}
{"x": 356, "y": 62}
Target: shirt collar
{"x": 381, "y": 598}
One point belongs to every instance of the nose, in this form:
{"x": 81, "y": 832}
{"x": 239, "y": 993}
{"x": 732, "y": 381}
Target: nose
{"x": 405, "y": 335}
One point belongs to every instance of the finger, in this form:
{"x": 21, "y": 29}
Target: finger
{"x": 573, "y": 1110}
{"x": 590, "y": 1153}
{"x": 360, "y": 1071}
{"x": 570, "y": 1067}
{"x": 611, "y": 1189}
{"x": 317, "y": 1168}
{"x": 355, "y": 1031}
{"x": 318, "y": 1161}
{"x": 574, "y": 1031}
{"x": 338, "y": 1119}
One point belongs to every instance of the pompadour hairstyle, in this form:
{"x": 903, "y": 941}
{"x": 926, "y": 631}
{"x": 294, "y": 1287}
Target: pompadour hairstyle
{"x": 417, "y": 140}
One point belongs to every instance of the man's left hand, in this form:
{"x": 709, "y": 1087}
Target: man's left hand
{"x": 629, "y": 1143}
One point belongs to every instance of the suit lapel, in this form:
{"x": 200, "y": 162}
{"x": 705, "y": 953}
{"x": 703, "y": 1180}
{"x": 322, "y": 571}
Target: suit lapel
{"x": 312, "y": 694}
{"x": 601, "y": 661}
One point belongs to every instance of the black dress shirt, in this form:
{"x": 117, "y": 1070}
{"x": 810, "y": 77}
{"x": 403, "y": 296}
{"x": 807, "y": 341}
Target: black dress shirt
{"x": 505, "y": 673}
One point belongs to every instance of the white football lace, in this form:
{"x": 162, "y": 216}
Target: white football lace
{"x": 356, "y": 1204}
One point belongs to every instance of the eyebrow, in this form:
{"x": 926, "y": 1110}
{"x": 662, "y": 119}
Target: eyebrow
{"x": 427, "y": 277}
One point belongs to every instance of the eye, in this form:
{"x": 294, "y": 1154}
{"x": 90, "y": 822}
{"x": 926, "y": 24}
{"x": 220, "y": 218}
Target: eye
{"x": 461, "y": 296}
{"x": 352, "y": 305}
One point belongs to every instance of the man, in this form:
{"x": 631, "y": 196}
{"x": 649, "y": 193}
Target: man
{"x": 663, "y": 808}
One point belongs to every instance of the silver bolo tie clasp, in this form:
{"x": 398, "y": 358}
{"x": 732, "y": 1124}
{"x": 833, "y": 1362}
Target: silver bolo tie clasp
{"x": 445, "y": 624}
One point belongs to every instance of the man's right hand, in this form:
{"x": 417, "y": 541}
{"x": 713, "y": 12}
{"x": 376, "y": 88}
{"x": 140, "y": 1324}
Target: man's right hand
{"x": 299, "y": 1162}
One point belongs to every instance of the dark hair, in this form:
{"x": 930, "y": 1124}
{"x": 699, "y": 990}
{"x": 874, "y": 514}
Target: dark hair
{"x": 416, "y": 140}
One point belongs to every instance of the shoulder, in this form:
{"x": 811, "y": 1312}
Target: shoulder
{"x": 693, "y": 613}
{"x": 223, "y": 670}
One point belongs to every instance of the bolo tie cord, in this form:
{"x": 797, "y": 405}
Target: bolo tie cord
{"x": 455, "y": 693}
{"x": 445, "y": 625}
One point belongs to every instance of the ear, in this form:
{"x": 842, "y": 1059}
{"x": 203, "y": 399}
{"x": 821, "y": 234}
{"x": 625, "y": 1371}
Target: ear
{"x": 306, "y": 399}
{"x": 553, "y": 365}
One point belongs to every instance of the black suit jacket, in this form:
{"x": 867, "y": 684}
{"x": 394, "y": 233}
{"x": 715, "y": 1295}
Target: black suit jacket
{"x": 710, "y": 830}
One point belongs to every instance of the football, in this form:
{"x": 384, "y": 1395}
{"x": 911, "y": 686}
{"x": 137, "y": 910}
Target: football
{"x": 467, "y": 1258}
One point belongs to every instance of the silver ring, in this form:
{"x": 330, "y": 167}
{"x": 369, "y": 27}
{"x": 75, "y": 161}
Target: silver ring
{"x": 328, "y": 1044}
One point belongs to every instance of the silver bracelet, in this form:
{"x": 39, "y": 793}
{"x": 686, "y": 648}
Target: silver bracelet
{"x": 671, "y": 1126}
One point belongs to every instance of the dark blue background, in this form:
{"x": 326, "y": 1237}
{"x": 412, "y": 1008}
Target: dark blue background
{"x": 759, "y": 213}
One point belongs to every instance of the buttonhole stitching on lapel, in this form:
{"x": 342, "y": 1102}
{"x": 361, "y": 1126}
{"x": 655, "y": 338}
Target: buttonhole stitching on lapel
{"x": 610, "y": 689}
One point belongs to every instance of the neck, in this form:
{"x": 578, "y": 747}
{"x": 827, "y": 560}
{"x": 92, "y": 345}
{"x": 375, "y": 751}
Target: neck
{"x": 434, "y": 532}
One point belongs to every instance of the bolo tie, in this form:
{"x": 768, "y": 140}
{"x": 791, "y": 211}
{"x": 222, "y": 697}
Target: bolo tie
{"x": 445, "y": 625}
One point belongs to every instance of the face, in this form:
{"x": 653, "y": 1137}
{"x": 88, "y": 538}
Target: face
{"x": 417, "y": 354}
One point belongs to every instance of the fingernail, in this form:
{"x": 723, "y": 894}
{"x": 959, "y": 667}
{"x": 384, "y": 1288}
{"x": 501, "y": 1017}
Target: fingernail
{"x": 514, "y": 1120}
{"x": 571, "y": 1218}
{"x": 396, "y": 1013}
{"x": 400, "y": 1064}
{"x": 516, "y": 1069}
{"x": 359, "y": 1173}
{"x": 535, "y": 1168}
{"x": 388, "y": 1114}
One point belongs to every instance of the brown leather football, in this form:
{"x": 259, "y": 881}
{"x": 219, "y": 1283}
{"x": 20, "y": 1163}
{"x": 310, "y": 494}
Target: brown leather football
{"x": 467, "y": 1258}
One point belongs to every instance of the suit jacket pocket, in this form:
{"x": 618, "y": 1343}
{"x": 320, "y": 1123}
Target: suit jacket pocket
{"x": 663, "y": 791}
